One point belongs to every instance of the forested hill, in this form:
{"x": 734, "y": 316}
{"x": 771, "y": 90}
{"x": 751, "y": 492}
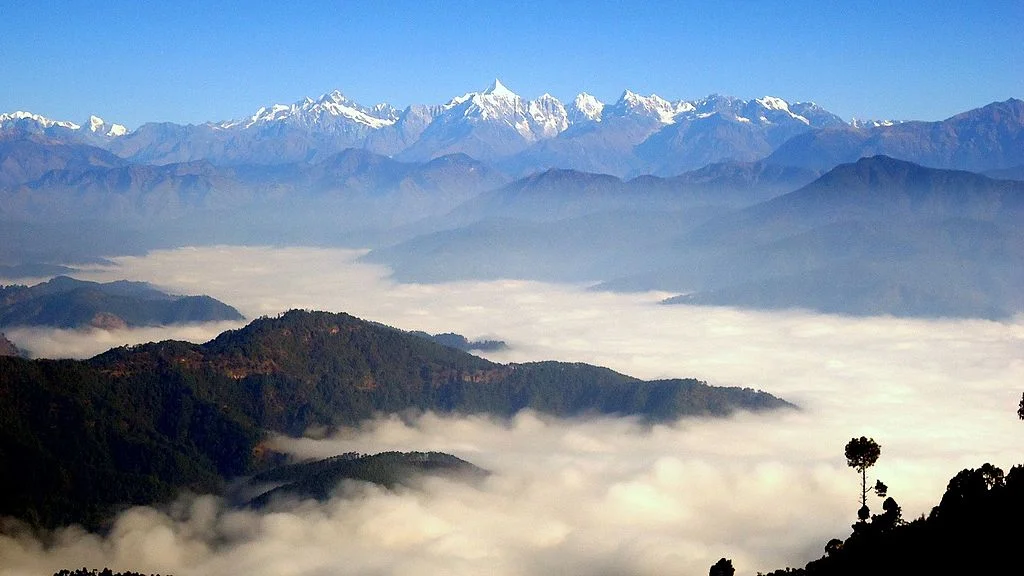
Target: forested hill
{"x": 320, "y": 478}
{"x": 141, "y": 422}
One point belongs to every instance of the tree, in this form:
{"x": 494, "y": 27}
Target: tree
{"x": 861, "y": 454}
{"x": 881, "y": 489}
{"x": 1020, "y": 408}
{"x": 722, "y": 568}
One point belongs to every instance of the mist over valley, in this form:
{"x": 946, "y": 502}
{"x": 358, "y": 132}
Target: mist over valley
{"x": 677, "y": 292}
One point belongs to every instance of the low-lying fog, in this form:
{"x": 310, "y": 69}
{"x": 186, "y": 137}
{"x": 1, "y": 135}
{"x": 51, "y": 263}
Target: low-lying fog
{"x": 580, "y": 497}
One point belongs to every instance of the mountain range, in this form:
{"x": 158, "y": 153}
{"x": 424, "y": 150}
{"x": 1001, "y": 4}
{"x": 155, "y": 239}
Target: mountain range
{"x": 879, "y": 236}
{"x": 635, "y": 135}
{"x": 644, "y": 193}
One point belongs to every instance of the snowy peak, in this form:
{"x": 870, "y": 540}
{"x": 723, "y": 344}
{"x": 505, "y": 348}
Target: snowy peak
{"x": 497, "y": 105}
{"x": 98, "y": 126}
{"x": 773, "y": 103}
{"x": 652, "y": 106}
{"x": 40, "y": 121}
{"x": 33, "y": 122}
{"x": 776, "y": 109}
{"x": 334, "y": 96}
{"x": 683, "y": 107}
{"x": 329, "y": 109}
{"x": 766, "y": 111}
{"x": 585, "y": 107}
{"x": 548, "y": 116}
{"x": 498, "y": 89}
{"x": 859, "y": 123}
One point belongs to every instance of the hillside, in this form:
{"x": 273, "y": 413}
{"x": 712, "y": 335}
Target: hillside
{"x": 142, "y": 422}
{"x": 64, "y": 302}
{"x": 974, "y": 530}
{"x": 320, "y": 478}
{"x": 7, "y": 348}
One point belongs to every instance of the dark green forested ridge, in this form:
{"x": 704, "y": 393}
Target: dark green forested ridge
{"x": 135, "y": 424}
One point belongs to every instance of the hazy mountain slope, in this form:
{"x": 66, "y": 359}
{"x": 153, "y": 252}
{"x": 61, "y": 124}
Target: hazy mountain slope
{"x": 986, "y": 138}
{"x": 586, "y": 248}
{"x": 733, "y": 184}
{"x": 141, "y": 422}
{"x": 27, "y": 158}
{"x": 877, "y": 236}
{"x": 350, "y": 193}
{"x": 568, "y": 225}
{"x": 1012, "y": 173}
{"x": 68, "y": 303}
{"x": 822, "y": 149}
{"x": 604, "y": 147}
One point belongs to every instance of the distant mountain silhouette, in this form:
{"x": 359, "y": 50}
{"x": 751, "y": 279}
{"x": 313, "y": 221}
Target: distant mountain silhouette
{"x": 24, "y": 158}
{"x": 880, "y": 236}
{"x": 64, "y": 302}
{"x": 986, "y": 138}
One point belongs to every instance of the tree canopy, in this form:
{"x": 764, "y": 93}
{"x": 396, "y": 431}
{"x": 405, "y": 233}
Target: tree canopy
{"x": 861, "y": 454}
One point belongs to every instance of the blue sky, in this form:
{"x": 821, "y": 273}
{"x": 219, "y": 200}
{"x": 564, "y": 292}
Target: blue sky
{"x": 133, "y": 62}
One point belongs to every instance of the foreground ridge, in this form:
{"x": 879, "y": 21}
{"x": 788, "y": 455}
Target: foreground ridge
{"x": 140, "y": 423}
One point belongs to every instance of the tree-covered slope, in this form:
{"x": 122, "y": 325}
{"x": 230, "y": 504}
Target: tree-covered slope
{"x": 135, "y": 424}
{"x": 975, "y": 529}
{"x": 320, "y": 478}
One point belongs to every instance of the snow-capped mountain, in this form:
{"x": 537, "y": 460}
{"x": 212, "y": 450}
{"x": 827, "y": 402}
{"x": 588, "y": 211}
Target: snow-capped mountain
{"x": 326, "y": 113}
{"x": 490, "y": 125}
{"x": 98, "y": 126}
{"x": 94, "y": 131}
{"x": 635, "y": 134}
{"x": 26, "y": 119}
{"x": 719, "y": 128}
{"x": 548, "y": 116}
{"x": 585, "y": 108}
{"x": 653, "y": 106}
{"x": 861, "y": 123}
{"x": 307, "y": 130}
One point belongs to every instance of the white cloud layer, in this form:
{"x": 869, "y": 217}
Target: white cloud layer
{"x": 585, "y": 497}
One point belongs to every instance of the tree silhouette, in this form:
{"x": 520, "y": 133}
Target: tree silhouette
{"x": 881, "y": 489}
{"x": 1020, "y": 408}
{"x": 861, "y": 454}
{"x": 722, "y": 568}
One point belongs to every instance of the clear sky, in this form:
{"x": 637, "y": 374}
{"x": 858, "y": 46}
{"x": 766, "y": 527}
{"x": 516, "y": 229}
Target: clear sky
{"x": 183, "y": 61}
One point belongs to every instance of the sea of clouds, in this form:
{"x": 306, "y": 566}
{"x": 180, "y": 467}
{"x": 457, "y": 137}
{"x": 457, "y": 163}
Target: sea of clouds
{"x": 595, "y": 496}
